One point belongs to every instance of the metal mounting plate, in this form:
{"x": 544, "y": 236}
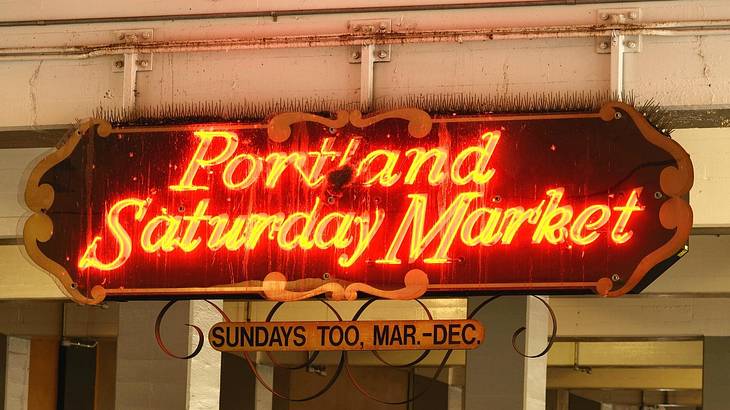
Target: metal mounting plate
{"x": 144, "y": 63}
{"x": 614, "y": 17}
{"x": 133, "y": 36}
{"x": 370, "y": 27}
{"x": 632, "y": 44}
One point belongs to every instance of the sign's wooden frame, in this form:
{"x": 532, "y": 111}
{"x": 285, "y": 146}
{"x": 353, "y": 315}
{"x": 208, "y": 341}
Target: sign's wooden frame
{"x": 675, "y": 213}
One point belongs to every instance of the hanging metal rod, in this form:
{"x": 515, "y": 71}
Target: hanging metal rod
{"x": 688, "y": 28}
{"x": 309, "y": 12}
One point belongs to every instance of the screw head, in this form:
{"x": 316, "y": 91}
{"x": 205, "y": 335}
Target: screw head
{"x": 658, "y": 195}
{"x": 631, "y": 44}
{"x": 603, "y": 45}
{"x": 356, "y": 28}
{"x": 144, "y": 63}
{"x": 604, "y": 16}
{"x": 119, "y": 64}
{"x": 355, "y": 55}
{"x": 383, "y": 26}
{"x": 382, "y": 54}
{"x": 615, "y": 277}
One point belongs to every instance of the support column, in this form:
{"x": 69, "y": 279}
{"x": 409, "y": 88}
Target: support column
{"x": 497, "y": 377}
{"x": 147, "y": 379}
{"x": 16, "y": 370}
{"x": 715, "y": 381}
{"x": 456, "y": 388}
{"x": 204, "y": 370}
{"x": 264, "y": 398}
{"x": 563, "y": 398}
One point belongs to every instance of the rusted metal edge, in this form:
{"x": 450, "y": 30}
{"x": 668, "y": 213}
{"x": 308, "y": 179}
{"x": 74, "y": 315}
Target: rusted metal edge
{"x": 664, "y": 28}
{"x": 274, "y": 14}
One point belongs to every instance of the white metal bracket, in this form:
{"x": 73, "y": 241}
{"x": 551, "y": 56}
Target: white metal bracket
{"x": 618, "y": 17}
{"x": 617, "y": 64}
{"x": 618, "y": 43}
{"x": 368, "y": 54}
{"x": 131, "y": 63}
{"x": 371, "y": 27}
{"x": 366, "y": 78}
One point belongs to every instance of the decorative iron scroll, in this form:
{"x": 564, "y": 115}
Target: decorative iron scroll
{"x": 343, "y": 363}
{"x": 393, "y": 205}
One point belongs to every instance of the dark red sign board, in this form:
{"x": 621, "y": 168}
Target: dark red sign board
{"x": 395, "y": 205}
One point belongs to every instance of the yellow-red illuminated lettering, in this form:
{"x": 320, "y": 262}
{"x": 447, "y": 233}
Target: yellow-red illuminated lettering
{"x": 583, "y": 224}
{"x": 124, "y": 242}
{"x": 619, "y": 233}
{"x": 447, "y": 225}
{"x": 252, "y": 173}
{"x": 386, "y": 176}
{"x": 552, "y": 225}
{"x": 480, "y": 173}
{"x": 199, "y": 161}
{"x": 436, "y": 174}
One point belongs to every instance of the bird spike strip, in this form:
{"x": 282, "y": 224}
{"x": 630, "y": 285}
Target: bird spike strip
{"x": 344, "y": 363}
{"x": 462, "y": 103}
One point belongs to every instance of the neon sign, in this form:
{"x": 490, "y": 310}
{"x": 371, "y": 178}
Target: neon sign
{"x": 394, "y": 205}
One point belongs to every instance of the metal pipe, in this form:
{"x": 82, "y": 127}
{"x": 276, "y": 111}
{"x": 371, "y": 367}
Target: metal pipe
{"x": 274, "y": 14}
{"x": 689, "y": 28}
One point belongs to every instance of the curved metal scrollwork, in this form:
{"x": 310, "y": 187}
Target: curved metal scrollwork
{"x": 323, "y": 390}
{"x": 377, "y": 355}
{"x": 343, "y": 363}
{"x": 201, "y": 339}
{"x": 516, "y": 334}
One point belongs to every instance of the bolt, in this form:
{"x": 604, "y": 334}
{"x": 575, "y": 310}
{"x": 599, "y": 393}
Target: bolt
{"x": 119, "y": 64}
{"x": 143, "y": 63}
{"x": 355, "y": 55}
{"x": 146, "y": 35}
{"x": 604, "y": 16}
{"x": 633, "y": 15}
{"x": 631, "y": 44}
{"x": 382, "y": 54}
{"x": 603, "y": 45}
